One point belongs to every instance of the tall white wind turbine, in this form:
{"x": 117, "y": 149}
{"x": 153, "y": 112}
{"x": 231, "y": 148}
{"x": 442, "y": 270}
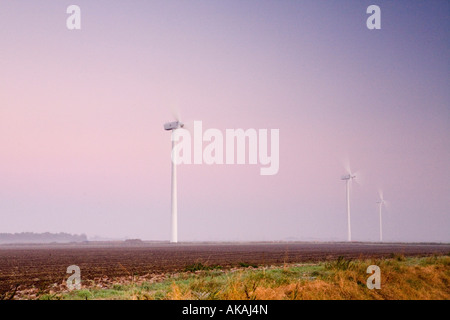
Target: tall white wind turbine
{"x": 348, "y": 178}
{"x": 172, "y": 126}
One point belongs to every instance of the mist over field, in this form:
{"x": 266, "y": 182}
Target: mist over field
{"x": 30, "y": 237}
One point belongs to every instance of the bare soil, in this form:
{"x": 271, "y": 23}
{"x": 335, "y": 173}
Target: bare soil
{"x": 41, "y": 266}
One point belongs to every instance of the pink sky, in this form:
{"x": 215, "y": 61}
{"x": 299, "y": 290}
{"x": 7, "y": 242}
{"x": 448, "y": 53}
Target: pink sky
{"x": 82, "y": 145}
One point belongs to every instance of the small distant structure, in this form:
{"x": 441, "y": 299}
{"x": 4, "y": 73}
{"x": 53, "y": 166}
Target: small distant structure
{"x": 134, "y": 242}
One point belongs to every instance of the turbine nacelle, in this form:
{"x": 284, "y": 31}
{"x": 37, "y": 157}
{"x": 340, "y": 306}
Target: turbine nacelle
{"x": 382, "y": 202}
{"x": 348, "y": 177}
{"x": 173, "y": 125}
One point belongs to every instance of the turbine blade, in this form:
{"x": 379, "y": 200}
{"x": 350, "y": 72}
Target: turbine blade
{"x": 359, "y": 177}
{"x": 188, "y": 125}
{"x": 175, "y": 111}
{"x": 346, "y": 165}
{"x": 380, "y": 194}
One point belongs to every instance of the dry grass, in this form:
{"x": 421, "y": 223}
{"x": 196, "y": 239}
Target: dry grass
{"x": 421, "y": 279}
{"x": 401, "y": 278}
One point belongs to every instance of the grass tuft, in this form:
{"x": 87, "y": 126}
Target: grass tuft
{"x": 340, "y": 264}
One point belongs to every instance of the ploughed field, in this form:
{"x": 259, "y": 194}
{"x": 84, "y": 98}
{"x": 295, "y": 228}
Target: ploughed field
{"x": 39, "y": 266}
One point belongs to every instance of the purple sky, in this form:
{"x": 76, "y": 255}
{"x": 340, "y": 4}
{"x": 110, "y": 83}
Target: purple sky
{"x": 82, "y": 145}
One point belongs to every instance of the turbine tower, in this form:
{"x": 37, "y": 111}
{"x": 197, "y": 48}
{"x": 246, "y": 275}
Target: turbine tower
{"x": 348, "y": 178}
{"x": 380, "y": 203}
{"x": 172, "y": 126}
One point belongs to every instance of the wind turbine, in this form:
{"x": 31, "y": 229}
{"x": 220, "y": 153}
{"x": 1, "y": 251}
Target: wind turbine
{"x": 172, "y": 126}
{"x": 380, "y": 203}
{"x": 347, "y": 178}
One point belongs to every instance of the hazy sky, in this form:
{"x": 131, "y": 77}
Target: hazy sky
{"x": 82, "y": 145}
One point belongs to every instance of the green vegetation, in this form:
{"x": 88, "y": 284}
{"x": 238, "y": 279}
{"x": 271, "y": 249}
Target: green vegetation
{"x": 246, "y": 265}
{"x": 401, "y": 278}
{"x": 340, "y": 264}
{"x": 201, "y": 267}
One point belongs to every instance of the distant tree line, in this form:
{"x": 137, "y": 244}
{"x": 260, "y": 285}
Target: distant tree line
{"x": 46, "y": 237}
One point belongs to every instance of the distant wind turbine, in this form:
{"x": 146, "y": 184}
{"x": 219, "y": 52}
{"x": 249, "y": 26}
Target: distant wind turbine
{"x": 347, "y": 178}
{"x": 380, "y": 203}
